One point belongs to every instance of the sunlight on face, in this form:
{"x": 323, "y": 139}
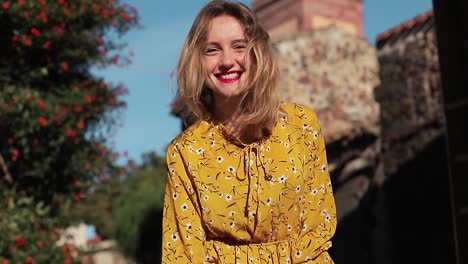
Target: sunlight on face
{"x": 224, "y": 55}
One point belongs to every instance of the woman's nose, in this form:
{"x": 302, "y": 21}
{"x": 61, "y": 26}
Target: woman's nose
{"x": 227, "y": 60}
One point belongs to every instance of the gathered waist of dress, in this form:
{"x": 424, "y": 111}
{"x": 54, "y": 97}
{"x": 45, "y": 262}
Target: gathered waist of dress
{"x": 290, "y": 250}
{"x": 227, "y": 242}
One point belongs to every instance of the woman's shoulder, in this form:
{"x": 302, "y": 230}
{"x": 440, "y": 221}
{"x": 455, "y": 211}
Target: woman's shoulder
{"x": 298, "y": 113}
{"x": 189, "y": 136}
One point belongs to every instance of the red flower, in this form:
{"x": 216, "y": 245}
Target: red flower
{"x": 62, "y": 2}
{"x": 79, "y": 196}
{"x": 103, "y": 52}
{"x": 89, "y": 99}
{"x": 58, "y": 30}
{"x": 64, "y": 110}
{"x": 112, "y": 101}
{"x": 104, "y": 13}
{"x": 40, "y": 244}
{"x": 77, "y": 183}
{"x": 68, "y": 260}
{"x": 42, "y": 121}
{"x": 29, "y": 260}
{"x": 21, "y": 2}
{"x": 20, "y": 241}
{"x": 47, "y": 45}
{"x": 26, "y": 15}
{"x": 35, "y": 32}
{"x": 66, "y": 12}
{"x": 77, "y": 108}
{"x": 81, "y": 124}
{"x": 99, "y": 40}
{"x": 10, "y": 247}
{"x": 115, "y": 60}
{"x": 87, "y": 165}
{"x": 71, "y": 133}
{"x": 5, "y": 261}
{"x": 26, "y": 40}
{"x": 15, "y": 154}
{"x": 43, "y": 17}
{"x": 64, "y": 66}
{"x": 125, "y": 17}
{"x": 6, "y": 5}
{"x": 42, "y": 2}
{"x": 15, "y": 39}
{"x": 42, "y": 105}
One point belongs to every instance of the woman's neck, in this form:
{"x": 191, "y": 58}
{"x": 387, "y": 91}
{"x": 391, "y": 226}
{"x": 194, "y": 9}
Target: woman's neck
{"x": 224, "y": 110}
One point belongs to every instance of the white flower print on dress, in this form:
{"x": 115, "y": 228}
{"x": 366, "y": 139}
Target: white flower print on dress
{"x": 282, "y": 179}
{"x": 315, "y": 133}
{"x": 200, "y": 151}
{"x": 323, "y": 168}
{"x": 314, "y": 192}
{"x": 298, "y": 188}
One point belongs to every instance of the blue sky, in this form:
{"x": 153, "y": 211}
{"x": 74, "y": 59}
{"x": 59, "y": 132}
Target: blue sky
{"x": 146, "y": 123}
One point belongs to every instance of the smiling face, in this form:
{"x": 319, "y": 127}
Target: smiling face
{"x": 224, "y": 59}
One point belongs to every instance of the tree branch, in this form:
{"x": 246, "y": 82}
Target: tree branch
{"x": 6, "y": 173}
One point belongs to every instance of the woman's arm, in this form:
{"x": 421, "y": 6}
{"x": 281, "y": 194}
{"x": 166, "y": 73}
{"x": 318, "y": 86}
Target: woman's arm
{"x": 318, "y": 216}
{"x": 183, "y": 234}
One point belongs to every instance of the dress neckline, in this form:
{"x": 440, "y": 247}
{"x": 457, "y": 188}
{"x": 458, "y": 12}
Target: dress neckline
{"x": 227, "y": 135}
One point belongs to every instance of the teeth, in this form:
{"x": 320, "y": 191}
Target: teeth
{"x": 230, "y": 76}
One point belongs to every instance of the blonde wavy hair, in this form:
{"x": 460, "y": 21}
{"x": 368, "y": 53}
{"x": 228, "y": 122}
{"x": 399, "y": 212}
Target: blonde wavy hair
{"x": 259, "y": 107}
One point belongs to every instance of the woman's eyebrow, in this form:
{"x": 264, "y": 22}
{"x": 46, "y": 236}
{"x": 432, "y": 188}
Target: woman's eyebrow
{"x": 243, "y": 40}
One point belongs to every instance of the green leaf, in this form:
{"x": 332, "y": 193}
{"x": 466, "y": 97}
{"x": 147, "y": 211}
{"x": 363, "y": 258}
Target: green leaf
{"x": 42, "y": 209}
{"x": 24, "y": 201}
{"x": 44, "y": 71}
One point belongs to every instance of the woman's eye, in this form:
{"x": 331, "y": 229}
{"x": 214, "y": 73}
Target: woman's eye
{"x": 211, "y": 50}
{"x": 240, "y": 47}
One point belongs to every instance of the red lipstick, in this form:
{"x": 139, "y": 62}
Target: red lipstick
{"x": 229, "y": 77}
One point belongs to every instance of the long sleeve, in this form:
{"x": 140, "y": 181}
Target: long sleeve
{"x": 318, "y": 215}
{"x": 183, "y": 234}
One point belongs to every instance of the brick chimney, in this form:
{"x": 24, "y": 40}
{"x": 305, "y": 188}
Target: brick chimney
{"x": 285, "y": 17}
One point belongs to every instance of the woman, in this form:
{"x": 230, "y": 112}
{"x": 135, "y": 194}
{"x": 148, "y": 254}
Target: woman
{"x": 248, "y": 182}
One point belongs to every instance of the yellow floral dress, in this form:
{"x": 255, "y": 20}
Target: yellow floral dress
{"x": 266, "y": 202}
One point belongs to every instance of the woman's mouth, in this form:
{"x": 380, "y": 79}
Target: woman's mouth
{"x": 228, "y": 77}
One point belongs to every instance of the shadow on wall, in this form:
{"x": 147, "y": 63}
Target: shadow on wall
{"x": 419, "y": 208}
{"x": 407, "y": 220}
{"x": 149, "y": 243}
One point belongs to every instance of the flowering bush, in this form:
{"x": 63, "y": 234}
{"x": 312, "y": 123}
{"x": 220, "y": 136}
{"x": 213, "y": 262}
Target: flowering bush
{"x": 55, "y": 116}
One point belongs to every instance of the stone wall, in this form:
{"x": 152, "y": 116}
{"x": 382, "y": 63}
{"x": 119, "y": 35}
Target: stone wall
{"x": 410, "y": 95}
